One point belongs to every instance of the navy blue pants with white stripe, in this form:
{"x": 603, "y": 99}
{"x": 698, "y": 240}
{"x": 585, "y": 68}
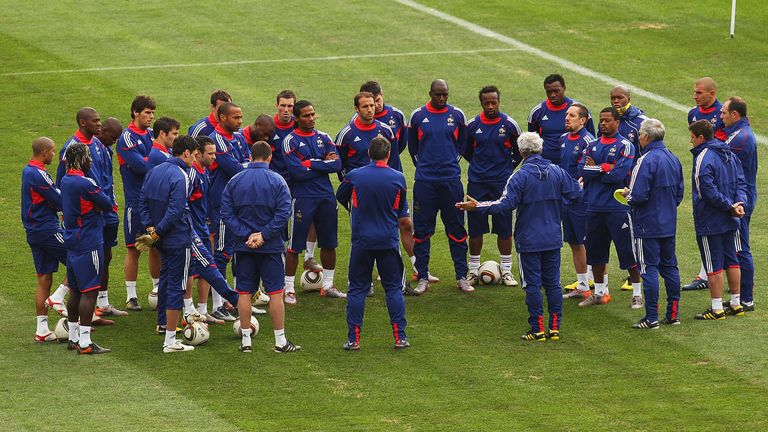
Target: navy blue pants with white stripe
{"x": 537, "y": 270}
{"x": 390, "y": 267}
{"x": 745, "y": 262}
{"x": 657, "y": 256}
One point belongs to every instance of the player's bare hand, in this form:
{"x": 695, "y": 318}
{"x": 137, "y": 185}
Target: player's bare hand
{"x": 737, "y": 209}
{"x": 332, "y": 157}
{"x": 255, "y": 241}
{"x": 589, "y": 161}
{"x": 469, "y": 205}
{"x": 625, "y": 192}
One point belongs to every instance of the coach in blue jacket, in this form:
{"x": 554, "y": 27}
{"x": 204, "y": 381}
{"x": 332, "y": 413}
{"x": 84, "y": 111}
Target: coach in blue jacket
{"x": 538, "y": 190}
{"x": 375, "y": 195}
{"x": 655, "y": 191}
{"x": 255, "y": 206}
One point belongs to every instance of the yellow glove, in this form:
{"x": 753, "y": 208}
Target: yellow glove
{"x": 147, "y": 241}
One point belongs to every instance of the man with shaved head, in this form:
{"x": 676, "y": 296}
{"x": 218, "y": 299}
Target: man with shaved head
{"x": 109, "y": 133}
{"x": 436, "y": 139}
{"x": 631, "y": 116}
{"x": 40, "y": 202}
{"x": 707, "y": 108}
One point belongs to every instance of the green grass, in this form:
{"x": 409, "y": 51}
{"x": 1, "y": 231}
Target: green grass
{"x": 466, "y": 370}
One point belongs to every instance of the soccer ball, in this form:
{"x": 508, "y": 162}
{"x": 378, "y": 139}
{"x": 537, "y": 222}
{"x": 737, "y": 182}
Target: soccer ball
{"x": 254, "y": 327}
{"x": 311, "y": 281}
{"x": 196, "y": 333}
{"x": 152, "y": 300}
{"x": 62, "y": 329}
{"x": 260, "y": 299}
{"x": 489, "y": 273}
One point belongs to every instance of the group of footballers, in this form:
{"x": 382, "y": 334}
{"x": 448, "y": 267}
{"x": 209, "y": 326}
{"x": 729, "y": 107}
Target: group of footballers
{"x": 261, "y": 195}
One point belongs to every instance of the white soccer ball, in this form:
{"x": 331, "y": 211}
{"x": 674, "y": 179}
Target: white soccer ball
{"x": 152, "y": 300}
{"x": 196, "y": 333}
{"x": 489, "y": 273}
{"x": 260, "y": 299}
{"x": 62, "y": 330}
{"x": 254, "y": 327}
{"x": 311, "y": 281}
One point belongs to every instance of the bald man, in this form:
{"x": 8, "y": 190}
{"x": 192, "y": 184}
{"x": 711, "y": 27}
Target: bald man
{"x": 631, "y": 116}
{"x": 40, "y": 202}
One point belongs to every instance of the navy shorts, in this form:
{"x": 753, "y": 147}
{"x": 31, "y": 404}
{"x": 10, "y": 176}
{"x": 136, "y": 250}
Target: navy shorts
{"x": 602, "y": 228}
{"x": 477, "y": 224}
{"x": 223, "y": 244}
{"x": 718, "y": 251}
{"x": 323, "y": 212}
{"x": 110, "y": 235}
{"x": 132, "y": 226}
{"x": 254, "y": 268}
{"x": 48, "y": 253}
{"x": 84, "y": 270}
{"x": 575, "y": 223}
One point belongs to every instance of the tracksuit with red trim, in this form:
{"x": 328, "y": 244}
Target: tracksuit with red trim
{"x": 607, "y": 219}
{"x": 538, "y": 190}
{"x": 83, "y": 201}
{"x": 629, "y": 126}
{"x": 40, "y": 202}
{"x": 229, "y": 161}
{"x": 313, "y": 196}
{"x": 492, "y": 153}
{"x": 157, "y": 155}
{"x": 712, "y": 115}
{"x": 133, "y": 149}
{"x": 257, "y": 200}
{"x": 572, "y": 148}
{"x": 278, "y": 163}
{"x": 548, "y": 121}
{"x": 718, "y": 183}
{"x": 101, "y": 172}
{"x": 743, "y": 144}
{"x": 353, "y": 141}
{"x": 375, "y": 195}
{"x": 163, "y": 205}
{"x": 204, "y": 127}
{"x": 395, "y": 120}
{"x": 656, "y": 190}
{"x": 436, "y": 138}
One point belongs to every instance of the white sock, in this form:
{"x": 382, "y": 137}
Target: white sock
{"x": 506, "y": 263}
{"x": 605, "y": 279}
{"x": 717, "y": 304}
{"x": 218, "y": 301}
{"x": 637, "y": 289}
{"x": 234, "y": 282}
{"x": 583, "y": 280}
{"x": 600, "y": 289}
{"x": 590, "y": 274}
{"x": 202, "y": 308}
{"x": 155, "y": 283}
{"x": 170, "y": 337}
{"x": 280, "y": 339}
{"x": 246, "y": 336}
{"x": 189, "y": 307}
{"x": 102, "y": 300}
{"x": 310, "y": 253}
{"x": 74, "y": 331}
{"x": 289, "y": 284}
{"x": 59, "y": 294}
{"x": 735, "y": 300}
{"x": 42, "y": 325}
{"x": 130, "y": 290}
{"x": 474, "y": 263}
{"x": 703, "y": 273}
{"x": 327, "y": 278}
{"x": 85, "y": 336}
{"x": 413, "y": 262}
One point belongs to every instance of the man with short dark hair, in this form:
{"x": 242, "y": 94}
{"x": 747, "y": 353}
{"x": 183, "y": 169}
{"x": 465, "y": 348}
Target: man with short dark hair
{"x": 654, "y": 193}
{"x": 206, "y": 125}
{"x": 166, "y": 131}
{"x": 743, "y": 144}
{"x": 719, "y": 194}
{"x": 256, "y": 205}
{"x": 631, "y": 116}
{"x": 375, "y": 195}
{"x": 492, "y": 153}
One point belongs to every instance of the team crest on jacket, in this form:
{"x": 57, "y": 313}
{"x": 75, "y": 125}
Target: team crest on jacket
{"x": 299, "y": 217}
{"x": 612, "y": 152}
{"x": 502, "y": 131}
{"x": 450, "y": 120}
{"x": 392, "y": 123}
{"x": 319, "y": 142}
{"x": 631, "y": 135}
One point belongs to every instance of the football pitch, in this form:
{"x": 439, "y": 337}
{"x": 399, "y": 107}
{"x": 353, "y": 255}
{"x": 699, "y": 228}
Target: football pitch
{"x": 467, "y": 368}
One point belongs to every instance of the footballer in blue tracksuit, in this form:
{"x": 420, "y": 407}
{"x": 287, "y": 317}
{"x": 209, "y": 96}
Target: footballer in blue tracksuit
{"x": 83, "y": 201}
{"x": 605, "y": 167}
{"x": 436, "y": 139}
{"x": 631, "y": 116}
{"x": 255, "y": 206}
{"x": 40, "y": 202}
{"x": 719, "y": 195}
{"x": 311, "y": 156}
{"x": 166, "y": 217}
{"x": 230, "y": 160}
{"x": 537, "y": 190}
{"x": 491, "y": 150}
{"x": 353, "y": 140}
{"x": 655, "y": 191}
{"x": 206, "y": 125}
{"x": 548, "y": 117}
{"x": 166, "y": 130}
{"x": 375, "y": 195}
{"x": 743, "y": 144}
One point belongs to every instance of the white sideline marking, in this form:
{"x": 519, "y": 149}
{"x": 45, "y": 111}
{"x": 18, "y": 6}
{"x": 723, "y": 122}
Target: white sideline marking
{"x": 581, "y": 70}
{"x": 264, "y": 61}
